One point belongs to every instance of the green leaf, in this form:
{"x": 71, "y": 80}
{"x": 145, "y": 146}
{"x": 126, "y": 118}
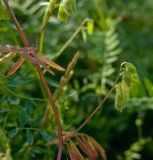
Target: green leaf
{"x": 45, "y": 135}
{"x": 3, "y": 13}
{"x": 62, "y": 14}
{"x": 29, "y": 106}
{"x": 111, "y": 60}
{"x": 4, "y": 142}
{"x": 111, "y": 38}
{"x": 5, "y": 152}
{"x": 12, "y": 132}
{"x": 29, "y": 136}
{"x": 14, "y": 100}
{"x": 129, "y": 79}
{"x": 119, "y": 98}
{"x": 90, "y": 26}
{"x": 126, "y": 78}
{"x": 148, "y": 86}
{"x": 112, "y": 45}
{"x": 70, "y": 6}
{"x": 22, "y": 118}
{"x": 130, "y": 68}
{"x": 66, "y": 9}
{"x": 126, "y": 84}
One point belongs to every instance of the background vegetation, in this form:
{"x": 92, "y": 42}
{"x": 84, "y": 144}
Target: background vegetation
{"x": 122, "y": 32}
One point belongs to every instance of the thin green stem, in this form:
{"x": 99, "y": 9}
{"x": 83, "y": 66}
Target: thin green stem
{"x": 69, "y": 41}
{"x": 47, "y": 15}
{"x": 24, "y": 97}
{"x": 24, "y": 128}
{"x": 19, "y": 29}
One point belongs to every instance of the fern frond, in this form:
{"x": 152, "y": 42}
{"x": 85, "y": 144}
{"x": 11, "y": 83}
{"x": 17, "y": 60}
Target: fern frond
{"x": 28, "y": 7}
{"x": 111, "y": 51}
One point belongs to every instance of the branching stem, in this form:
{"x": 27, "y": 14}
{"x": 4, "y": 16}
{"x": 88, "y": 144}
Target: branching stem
{"x": 95, "y": 110}
{"x": 43, "y": 80}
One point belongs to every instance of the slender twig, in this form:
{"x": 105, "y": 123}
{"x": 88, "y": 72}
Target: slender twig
{"x": 19, "y": 28}
{"x": 63, "y": 81}
{"x": 43, "y": 80}
{"x": 67, "y": 43}
{"x": 69, "y": 135}
{"x": 24, "y": 97}
{"x": 95, "y": 110}
{"x": 17, "y": 65}
{"x": 18, "y": 50}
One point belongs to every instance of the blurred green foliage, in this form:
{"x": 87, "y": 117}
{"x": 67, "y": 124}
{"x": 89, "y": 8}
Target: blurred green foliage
{"x": 122, "y": 32}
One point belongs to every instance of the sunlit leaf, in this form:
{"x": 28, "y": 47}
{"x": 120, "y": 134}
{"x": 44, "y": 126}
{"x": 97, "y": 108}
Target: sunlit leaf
{"x": 129, "y": 79}
{"x": 111, "y": 59}
{"x": 70, "y": 6}
{"x": 132, "y": 70}
{"x": 66, "y": 8}
{"x": 112, "y": 45}
{"x": 90, "y": 26}
{"x": 62, "y": 14}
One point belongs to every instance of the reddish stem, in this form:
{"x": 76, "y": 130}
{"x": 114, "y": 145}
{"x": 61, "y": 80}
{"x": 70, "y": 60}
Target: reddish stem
{"x": 43, "y": 80}
{"x": 95, "y": 110}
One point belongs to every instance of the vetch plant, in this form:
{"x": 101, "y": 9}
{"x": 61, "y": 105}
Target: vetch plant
{"x": 85, "y": 143}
